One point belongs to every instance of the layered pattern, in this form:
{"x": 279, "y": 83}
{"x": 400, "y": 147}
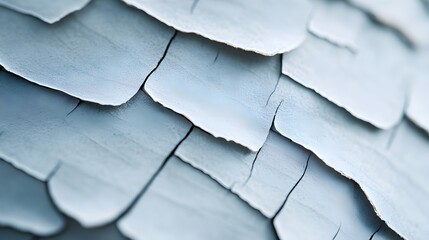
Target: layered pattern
{"x": 142, "y": 119}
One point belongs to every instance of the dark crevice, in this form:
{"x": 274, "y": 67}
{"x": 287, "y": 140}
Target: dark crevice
{"x": 275, "y": 114}
{"x": 293, "y": 188}
{"x": 194, "y": 4}
{"x": 53, "y": 171}
{"x": 403, "y": 37}
{"x": 251, "y": 169}
{"x": 277, "y": 83}
{"x": 160, "y": 60}
{"x": 75, "y": 107}
{"x": 153, "y": 177}
{"x": 339, "y": 45}
{"x": 392, "y": 136}
{"x": 217, "y": 56}
{"x": 376, "y": 231}
{"x": 336, "y": 234}
{"x": 274, "y": 90}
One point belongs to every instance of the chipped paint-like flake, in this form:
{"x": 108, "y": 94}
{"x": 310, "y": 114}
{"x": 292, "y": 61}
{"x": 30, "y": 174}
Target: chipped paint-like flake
{"x": 222, "y": 90}
{"x": 369, "y": 84}
{"x": 262, "y": 179}
{"x": 112, "y": 156}
{"x": 409, "y": 17}
{"x": 410, "y": 145}
{"x": 337, "y": 23}
{"x": 226, "y": 162}
{"x": 324, "y": 204}
{"x": 266, "y": 27}
{"x": 25, "y": 204}
{"x": 29, "y": 117}
{"x": 46, "y": 10}
{"x": 418, "y": 104}
{"x": 184, "y": 203}
{"x": 104, "y": 155}
{"x": 100, "y": 54}
{"x": 277, "y": 169}
{"x": 354, "y": 150}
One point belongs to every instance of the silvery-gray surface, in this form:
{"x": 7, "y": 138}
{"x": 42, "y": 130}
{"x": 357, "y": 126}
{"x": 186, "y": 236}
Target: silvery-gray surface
{"x": 409, "y": 17}
{"x": 354, "y": 150}
{"x": 369, "y": 83}
{"x": 263, "y": 182}
{"x": 336, "y": 22}
{"x": 100, "y": 54}
{"x": 224, "y": 91}
{"x": 73, "y": 231}
{"x": 321, "y": 207}
{"x": 184, "y": 203}
{"x": 46, "y": 10}
{"x": 25, "y": 204}
{"x": 266, "y": 27}
{"x": 29, "y": 117}
{"x": 111, "y": 157}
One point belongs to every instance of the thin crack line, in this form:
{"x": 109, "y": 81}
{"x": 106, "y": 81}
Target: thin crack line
{"x": 251, "y": 169}
{"x": 274, "y": 90}
{"x": 336, "y": 234}
{"x": 392, "y": 136}
{"x": 293, "y": 188}
{"x": 277, "y": 83}
{"x": 153, "y": 177}
{"x": 275, "y": 114}
{"x": 54, "y": 170}
{"x": 160, "y": 60}
{"x": 194, "y": 4}
{"x": 376, "y": 231}
{"x": 216, "y": 57}
{"x": 75, "y": 107}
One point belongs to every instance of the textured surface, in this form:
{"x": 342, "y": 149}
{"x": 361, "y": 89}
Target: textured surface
{"x": 320, "y": 207}
{"x": 334, "y": 149}
{"x": 192, "y": 206}
{"x": 217, "y": 88}
{"x": 409, "y": 17}
{"x": 25, "y": 204}
{"x": 369, "y": 84}
{"x": 262, "y": 179}
{"x": 119, "y": 151}
{"x": 47, "y": 10}
{"x": 359, "y": 157}
{"x": 277, "y": 27}
{"x": 100, "y": 54}
{"x": 337, "y": 23}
